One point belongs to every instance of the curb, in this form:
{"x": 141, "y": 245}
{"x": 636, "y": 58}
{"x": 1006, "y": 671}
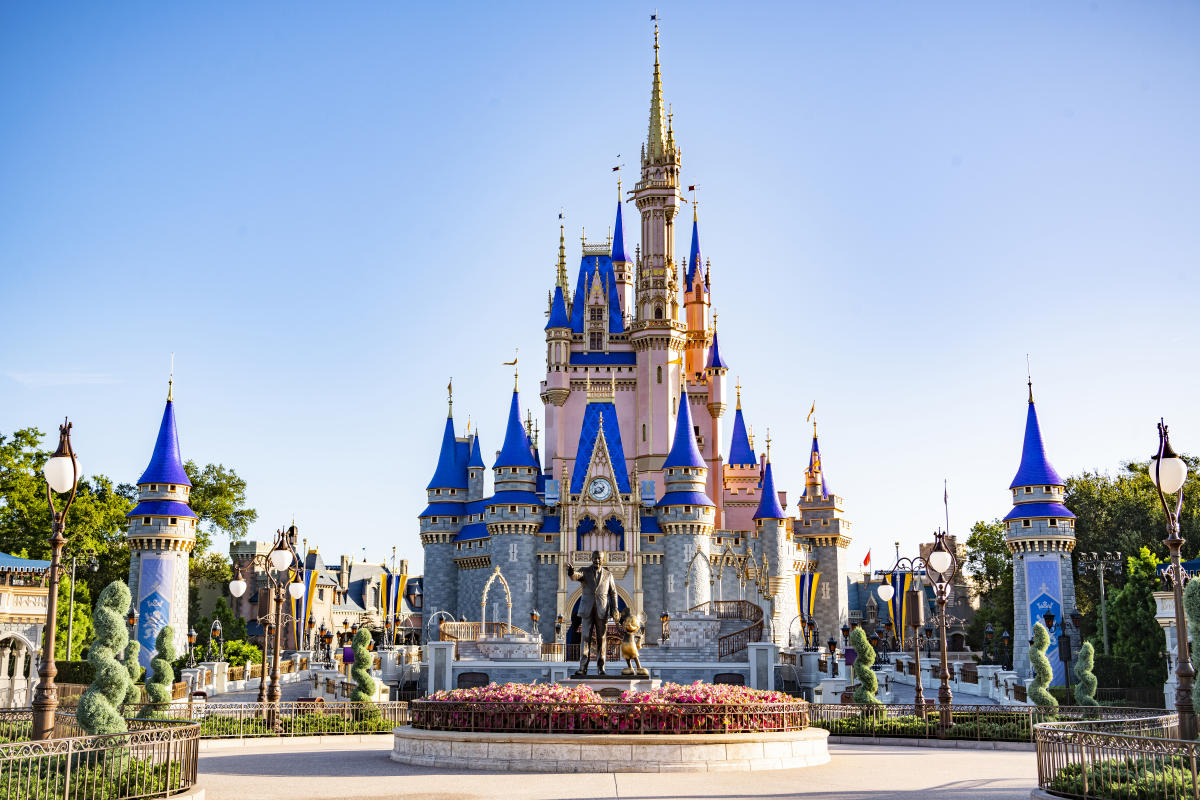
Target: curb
{"x": 945, "y": 744}
{"x": 219, "y": 745}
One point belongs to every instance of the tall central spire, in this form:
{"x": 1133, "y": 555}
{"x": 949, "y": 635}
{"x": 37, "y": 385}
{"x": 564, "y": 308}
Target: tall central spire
{"x": 656, "y": 143}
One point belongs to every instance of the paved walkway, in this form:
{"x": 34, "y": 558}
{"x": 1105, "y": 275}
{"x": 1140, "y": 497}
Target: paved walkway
{"x": 904, "y": 693}
{"x": 362, "y": 771}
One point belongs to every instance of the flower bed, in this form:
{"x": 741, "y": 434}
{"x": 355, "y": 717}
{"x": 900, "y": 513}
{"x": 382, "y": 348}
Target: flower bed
{"x": 551, "y": 708}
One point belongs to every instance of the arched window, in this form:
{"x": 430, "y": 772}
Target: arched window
{"x": 660, "y": 374}
{"x": 658, "y": 312}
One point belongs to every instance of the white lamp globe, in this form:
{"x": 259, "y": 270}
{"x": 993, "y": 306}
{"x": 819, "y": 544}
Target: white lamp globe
{"x": 237, "y": 587}
{"x": 1168, "y": 473}
{"x": 939, "y": 561}
{"x": 281, "y": 559}
{"x": 61, "y": 473}
{"x": 885, "y": 592}
{"x": 296, "y": 590}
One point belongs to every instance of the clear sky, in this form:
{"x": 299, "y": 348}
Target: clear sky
{"x": 327, "y": 210}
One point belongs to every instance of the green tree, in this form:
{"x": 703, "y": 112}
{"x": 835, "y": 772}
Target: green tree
{"x": 160, "y": 676}
{"x": 1135, "y": 633}
{"x": 864, "y": 657}
{"x": 99, "y": 710}
{"x": 132, "y": 693}
{"x": 81, "y": 631}
{"x": 1043, "y": 673}
{"x": 218, "y": 498}
{"x": 1191, "y": 605}
{"x": 364, "y": 684}
{"x": 1085, "y": 686}
{"x": 989, "y": 564}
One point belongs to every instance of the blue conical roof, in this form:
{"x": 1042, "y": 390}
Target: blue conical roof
{"x": 741, "y": 454}
{"x": 558, "y": 311}
{"x": 695, "y": 260}
{"x": 1035, "y": 467}
{"x": 450, "y": 474}
{"x": 768, "y": 504}
{"x": 684, "y": 452}
{"x": 815, "y": 467}
{"x": 714, "y": 355}
{"x": 165, "y": 464}
{"x": 515, "y": 451}
{"x": 618, "y": 245}
{"x": 476, "y": 459}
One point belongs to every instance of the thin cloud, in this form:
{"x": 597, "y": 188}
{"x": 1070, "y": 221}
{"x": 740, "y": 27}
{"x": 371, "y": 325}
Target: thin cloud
{"x": 41, "y": 379}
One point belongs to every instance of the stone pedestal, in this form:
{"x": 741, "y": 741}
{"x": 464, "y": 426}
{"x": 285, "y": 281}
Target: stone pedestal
{"x": 987, "y": 680}
{"x": 763, "y": 656}
{"x": 219, "y": 672}
{"x": 607, "y": 685}
{"x": 440, "y": 665}
{"x": 831, "y": 690}
{"x": 511, "y": 647}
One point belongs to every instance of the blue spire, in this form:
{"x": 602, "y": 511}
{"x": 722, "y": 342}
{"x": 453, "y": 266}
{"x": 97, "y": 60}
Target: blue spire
{"x": 449, "y": 473}
{"x": 768, "y": 504}
{"x": 814, "y": 464}
{"x": 684, "y": 452}
{"x": 476, "y": 459}
{"x": 558, "y": 311}
{"x": 618, "y": 245}
{"x": 165, "y": 465}
{"x": 1035, "y": 467}
{"x": 515, "y": 451}
{"x": 714, "y": 355}
{"x": 695, "y": 261}
{"x": 741, "y": 454}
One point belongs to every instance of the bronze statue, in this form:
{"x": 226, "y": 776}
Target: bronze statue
{"x": 597, "y": 604}
{"x": 631, "y": 639}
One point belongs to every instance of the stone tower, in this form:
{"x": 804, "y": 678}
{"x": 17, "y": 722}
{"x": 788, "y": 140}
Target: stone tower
{"x": 824, "y": 530}
{"x": 442, "y": 518}
{"x": 686, "y": 515}
{"x": 779, "y": 554}
{"x": 1040, "y": 536}
{"x": 162, "y": 532}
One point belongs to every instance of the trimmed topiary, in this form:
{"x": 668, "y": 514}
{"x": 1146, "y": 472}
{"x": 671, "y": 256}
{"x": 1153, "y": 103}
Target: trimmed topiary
{"x": 364, "y": 684}
{"x": 868, "y": 684}
{"x": 160, "y": 676}
{"x": 1043, "y": 673}
{"x": 1191, "y": 606}
{"x": 133, "y": 694}
{"x": 1085, "y": 686}
{"x": 99, "y": 708}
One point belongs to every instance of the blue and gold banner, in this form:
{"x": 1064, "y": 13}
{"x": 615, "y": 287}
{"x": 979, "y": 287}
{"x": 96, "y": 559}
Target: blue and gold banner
{"x": 806, "y": 597}
{"x": 393, "y": 587}
{"x": 901, "y": 583}
{"x": 1043, "y": 587}
{"x": 301, "y": 607}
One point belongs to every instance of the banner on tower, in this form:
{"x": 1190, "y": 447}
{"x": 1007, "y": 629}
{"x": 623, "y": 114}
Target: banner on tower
{"x": 155, "y": 587}
{"x": 1043, "y": 587}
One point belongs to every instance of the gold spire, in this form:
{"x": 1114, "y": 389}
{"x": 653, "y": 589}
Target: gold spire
{"x": 738, "y": 386}
{"x": 657, "y": 142}
{"x": 450, "y": 398}
{"x": 751, "y": 436}
{"x": 768, "y": 445}
{"x": 513, "y": 364}
{"x": 561, "y": 281}
{"x": 171, "y": 380}
{"x": 1029, "y": 377}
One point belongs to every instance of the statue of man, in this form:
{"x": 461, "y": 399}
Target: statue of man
{"x": 596, "y": 605}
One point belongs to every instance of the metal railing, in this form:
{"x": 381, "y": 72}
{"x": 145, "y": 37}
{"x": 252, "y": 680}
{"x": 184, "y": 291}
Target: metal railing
{"x": 623, "y": 718}
{"x": 293, "y": 718}
{"x": 473, "y": 631}
{"x": 156, "y": 758}
{"x": 1010, "y": 723}
{"x": 735, "y": 642}
{"x": 1139, "y": 758}
{"x": 969, "y": 673}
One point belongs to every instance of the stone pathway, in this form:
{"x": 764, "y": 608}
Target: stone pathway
{"x": 361, "y": 770}
{"x": 903, "y": 693}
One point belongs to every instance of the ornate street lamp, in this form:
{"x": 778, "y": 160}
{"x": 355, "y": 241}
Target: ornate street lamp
{"x": 191, "y": 640}
{"x": 845, "y": 634}
{"x": 214, "y": 635}
{"x": 832, "y": 645}
{"x": 62, "y": 476}
{"x": 1169, "y": 472}
{"x": 1100, "y": 564}
{"x": 1005, "y": 640}
{"x": 988, "y": 633}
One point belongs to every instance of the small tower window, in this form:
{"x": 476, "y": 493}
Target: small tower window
{"x": 1026, "y": 523}
{"x": 644, "y": 427}
{"x": 173, "y": 487}
{"x": 145, "y": 520}
{"x": 660, "y": 374}
{"x": 658, "y": 312}
{"x": 596, "y": 341}
{"x": 597, "y": 314}
{"x": 154, "y": 487}
{"x": 1028, "y": 490}
{"x": 1053, "y": 523}
{"x": 174, "y": 521}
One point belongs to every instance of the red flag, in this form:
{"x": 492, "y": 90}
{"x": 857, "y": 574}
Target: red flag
{"x": 867, "y": 560}
{"x": 691, "y": 188}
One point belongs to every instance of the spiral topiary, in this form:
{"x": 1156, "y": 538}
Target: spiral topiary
{"x": 364, "y": 684}
{"x": 1043, "y": 673}
{"x": 1191, "y": 605}
{"x": 868, "y": 684}
{"x": 99, "y": 710}
{"x": 1085, "y": 686}
{"x": 133, "y": 694}
{"x": 160, "y": 676}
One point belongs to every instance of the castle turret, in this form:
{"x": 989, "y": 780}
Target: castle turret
{"x": 475, "y": 468}
{"x": 557, "y": 386}
{"x": 513, "y": 515}
{"x": 686, "y": 514}
{"x": 622, "y": 266}
{"x": 442, "y": 520}
{"x": 714, "y": 374}
{"x": 696, "y": 305}
{"x": 823, "y": 529}
{"x": 771, "y": 528}
{"x": 162, "y": 532}
{"x": 740, "y": 477}
{"x": 1040, "y": 534}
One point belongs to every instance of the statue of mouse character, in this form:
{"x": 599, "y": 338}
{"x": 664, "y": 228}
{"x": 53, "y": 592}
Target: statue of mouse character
{"x": 632, "y": 638}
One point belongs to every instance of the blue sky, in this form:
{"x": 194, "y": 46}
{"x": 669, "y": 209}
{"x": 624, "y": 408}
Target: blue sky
{"x": 327, "y": 210}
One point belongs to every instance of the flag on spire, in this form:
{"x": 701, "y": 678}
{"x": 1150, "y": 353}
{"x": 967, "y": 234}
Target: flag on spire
{"x": 867, "y": 560}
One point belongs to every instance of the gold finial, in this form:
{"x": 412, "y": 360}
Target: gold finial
{"x": 450, "y": 398}
{"x": 561, "y": 281}
{"x": 529, "y": 423}
{"x": 582, "y": 235}
{"x": 513, "y": 364}
{"x": 535, "y": 433}
{"x": 171, "y": 380}
{"x": 695, "y": 202}
{"x": 768, "y": 445}
{"x": 468, "y": 430}
{"x": 1029, "y": 377}
{"x": 752, "y": 436}
{"x": 656, "y": 141}
{"x": 738, "y": 386}
{"x": 714, "y": 322}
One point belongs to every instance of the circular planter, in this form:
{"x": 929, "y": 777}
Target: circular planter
{"x": 547, "y": 752}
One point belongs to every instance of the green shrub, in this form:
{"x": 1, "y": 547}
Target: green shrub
{"x": 868, "y": 684}
{"x": 160, "y": 677}
{"x": 99, "y": 707}
{"x": 80, "y": 672}
{"x": 133, "y": 694}
{"x": 1085, "y": 688}
{"x": 1134, "y": 778}
{"x": 364, "y": 684}
{"x": 1043, "y": 673}
{"x": 1191, "y": 605}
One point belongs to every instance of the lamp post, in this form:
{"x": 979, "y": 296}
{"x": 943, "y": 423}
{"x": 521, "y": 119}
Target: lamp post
{"x": 191, "y": 640}
{"x": 845, "y": 635}
{"x": 832, "y": 644}
{"x": 1005, "y": 640}
{"x": 279, "y": 567}
{"x": 93, "y": 566}
{"x": 988, "y": 633}
{"x": 1100, "y": 564}
{"x": 62, "y": 476}
{"x": 1169, "y": 472}
{"x": 215, "y": 635}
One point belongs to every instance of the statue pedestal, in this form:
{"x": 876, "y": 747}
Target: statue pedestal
{"x": 611, "y": 686}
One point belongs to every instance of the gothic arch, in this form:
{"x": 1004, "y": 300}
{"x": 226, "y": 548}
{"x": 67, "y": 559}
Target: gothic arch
{"x": 507, "y": 596}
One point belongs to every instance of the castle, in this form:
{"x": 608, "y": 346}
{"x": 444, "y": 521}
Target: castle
{"x": 635, "y": 461}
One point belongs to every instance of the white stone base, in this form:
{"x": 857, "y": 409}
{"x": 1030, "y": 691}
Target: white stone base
{"x": 536, "y": 752}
